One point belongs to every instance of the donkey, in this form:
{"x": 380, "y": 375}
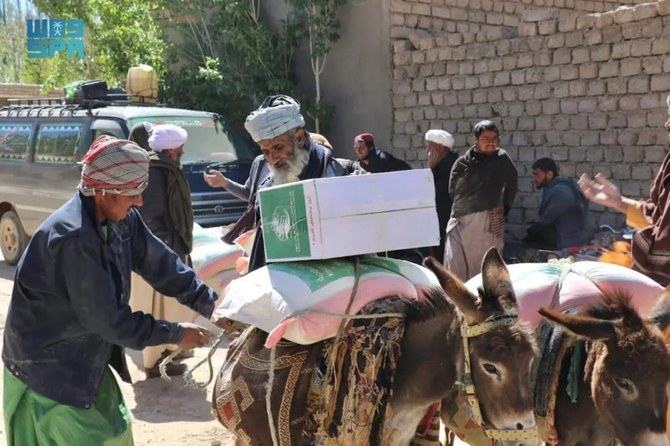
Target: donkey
{"x": 626, "y": 372}
{"x": 431, "y": 363}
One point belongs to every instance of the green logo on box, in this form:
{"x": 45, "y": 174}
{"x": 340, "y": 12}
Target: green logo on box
{"x": 284, "y": 218}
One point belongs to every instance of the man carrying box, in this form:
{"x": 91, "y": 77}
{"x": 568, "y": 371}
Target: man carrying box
{"x": 277, "y": 127}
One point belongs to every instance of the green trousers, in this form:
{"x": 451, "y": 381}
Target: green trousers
{"x": 32, "y": 419}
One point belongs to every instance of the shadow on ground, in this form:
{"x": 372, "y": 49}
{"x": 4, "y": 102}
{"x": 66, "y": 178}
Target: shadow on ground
{"x": 155, "y": 398}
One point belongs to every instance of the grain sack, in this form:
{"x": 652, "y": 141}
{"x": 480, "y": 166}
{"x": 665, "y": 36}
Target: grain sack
{"x": 276, "y": 298}
{"x": 576, "y": 285}
{"x": 214, "y": 257}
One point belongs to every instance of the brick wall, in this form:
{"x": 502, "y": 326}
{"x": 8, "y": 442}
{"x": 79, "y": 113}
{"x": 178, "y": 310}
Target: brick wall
{"x": 587, "y": 89}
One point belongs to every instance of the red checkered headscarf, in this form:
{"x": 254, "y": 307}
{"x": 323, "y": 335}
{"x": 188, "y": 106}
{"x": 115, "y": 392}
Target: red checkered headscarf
{"x": 114, "y": 166}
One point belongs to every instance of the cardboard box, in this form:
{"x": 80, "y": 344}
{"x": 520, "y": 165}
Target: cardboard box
{"x": 343, "y": 216}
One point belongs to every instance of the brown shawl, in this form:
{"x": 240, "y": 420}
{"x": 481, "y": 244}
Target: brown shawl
{"x": 651, "y": 245}
{"x": 180, "y": 209}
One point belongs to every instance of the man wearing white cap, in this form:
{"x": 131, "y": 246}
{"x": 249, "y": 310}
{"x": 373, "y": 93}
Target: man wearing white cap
{"x": 289, "y": 152}
{"x": 441, "y": 159}
{"x": 168, "y": 213}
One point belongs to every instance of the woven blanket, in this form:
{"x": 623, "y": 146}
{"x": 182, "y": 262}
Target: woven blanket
{"x": 331, "y": 392}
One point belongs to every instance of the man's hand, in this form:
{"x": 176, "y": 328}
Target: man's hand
{"x": 603, "y": 192}
{"x": 215, "y": 179}
{"x": 433, "y": 157}
{"x": 194, "y": 336}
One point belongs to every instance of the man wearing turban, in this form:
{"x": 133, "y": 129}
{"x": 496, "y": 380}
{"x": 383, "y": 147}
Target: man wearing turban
{"x": 167, "y": 211}
{"x": 289, "y": 153}
{"x": 440, "y": 159}
{"x": 69, "y": 318}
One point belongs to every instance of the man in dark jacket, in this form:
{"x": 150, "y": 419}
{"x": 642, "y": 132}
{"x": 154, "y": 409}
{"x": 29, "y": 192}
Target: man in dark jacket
{"x": 69, "y": 318}
{"x": 483, "y": 185}
{"x": 441, "y": 159}
{"x": 563, "y": 213}
{"x": 167, "y": 211}
{"x": 371, "y": 159}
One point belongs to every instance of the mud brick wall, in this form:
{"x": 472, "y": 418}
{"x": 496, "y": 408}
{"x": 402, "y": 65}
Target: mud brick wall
{"x": 583, "y": 82}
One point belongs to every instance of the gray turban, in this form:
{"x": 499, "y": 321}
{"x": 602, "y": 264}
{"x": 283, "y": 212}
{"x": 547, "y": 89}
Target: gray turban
{"x": 275, "y": 116}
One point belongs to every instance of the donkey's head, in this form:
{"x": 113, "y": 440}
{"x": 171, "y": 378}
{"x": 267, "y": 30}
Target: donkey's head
{"x": 628, "y": 367}
{"x": 502, "y": 356}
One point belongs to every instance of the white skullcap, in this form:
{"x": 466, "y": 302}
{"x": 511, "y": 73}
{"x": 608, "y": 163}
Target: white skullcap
{"x": 275, "y": 116}
{"x": 167, "y": 136}
{"x": 440, "y": 137}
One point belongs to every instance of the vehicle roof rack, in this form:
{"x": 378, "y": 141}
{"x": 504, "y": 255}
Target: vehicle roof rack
{"x": 39, "y": 106}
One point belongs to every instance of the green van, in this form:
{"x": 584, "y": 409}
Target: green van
{"x": 42, "y": 143}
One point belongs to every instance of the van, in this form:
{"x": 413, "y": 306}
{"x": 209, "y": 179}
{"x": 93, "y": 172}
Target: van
{"x": 41, "y": 143}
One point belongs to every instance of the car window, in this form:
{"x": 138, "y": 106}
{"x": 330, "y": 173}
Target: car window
{"x": 209, "y": 139}
{"x": 15, "y": 140}
{"x": 57, "y": 143}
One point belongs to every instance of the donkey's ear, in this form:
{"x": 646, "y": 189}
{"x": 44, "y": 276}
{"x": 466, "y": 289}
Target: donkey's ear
{"x": 457, "y": 292}
{"x": 660, "y": 316}
{"x": 582, "y": 326}
{"x": 495, "y": 278}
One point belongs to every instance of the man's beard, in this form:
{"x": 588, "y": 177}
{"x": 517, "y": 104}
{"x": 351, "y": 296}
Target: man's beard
{"x": 292, "y": 168}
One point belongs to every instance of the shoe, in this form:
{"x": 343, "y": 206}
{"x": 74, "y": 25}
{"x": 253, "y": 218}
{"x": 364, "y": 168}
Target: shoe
{"x": 184, "y": 354}
{"x": 171, "y": 369}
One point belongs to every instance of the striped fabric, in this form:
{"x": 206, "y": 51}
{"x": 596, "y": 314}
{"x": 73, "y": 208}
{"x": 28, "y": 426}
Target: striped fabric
{"x": 114, "y": 166}
{"x": 274, "y": 117}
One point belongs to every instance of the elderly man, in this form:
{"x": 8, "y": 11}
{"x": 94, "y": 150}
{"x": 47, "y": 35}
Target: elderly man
{"x": 290, "y": 154}
{"x": 69, "y": 317}
{"x": 440, "y": 159}
{"x": 167, "y": 211}
{"x": 483, "y": 185}
{"x": 373, "y": 160}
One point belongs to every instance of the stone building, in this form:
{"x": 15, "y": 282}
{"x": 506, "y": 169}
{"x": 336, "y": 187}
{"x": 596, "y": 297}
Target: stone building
{"x": 581, "y": 81}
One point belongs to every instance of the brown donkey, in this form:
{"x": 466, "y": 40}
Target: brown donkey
{"x": 431, "y": 363}
{"x": 626, "y": 372}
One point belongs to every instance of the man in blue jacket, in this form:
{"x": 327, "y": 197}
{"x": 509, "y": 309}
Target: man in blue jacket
{"x": 563, "y": 212}
{"x": 69, "y": 318}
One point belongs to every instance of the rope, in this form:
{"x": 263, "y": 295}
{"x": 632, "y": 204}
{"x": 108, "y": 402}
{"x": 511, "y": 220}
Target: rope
{"x": 350, "y": 316}
{"x": 268, "y": 396}
{"x": 188, "y": 376}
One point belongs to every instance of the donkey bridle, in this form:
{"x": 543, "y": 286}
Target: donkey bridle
{"x": 471, "y": 331}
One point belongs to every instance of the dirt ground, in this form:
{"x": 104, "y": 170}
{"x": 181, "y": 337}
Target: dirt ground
{"x": 164, "y": 413}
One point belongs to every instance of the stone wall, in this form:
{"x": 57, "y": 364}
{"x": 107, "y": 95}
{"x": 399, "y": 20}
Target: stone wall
{"x": 587, "y": 89}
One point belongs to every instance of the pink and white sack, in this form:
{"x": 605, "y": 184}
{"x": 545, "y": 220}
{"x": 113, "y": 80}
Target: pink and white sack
{"x": 292, "y": 300}
{"x": 576, "y": 285}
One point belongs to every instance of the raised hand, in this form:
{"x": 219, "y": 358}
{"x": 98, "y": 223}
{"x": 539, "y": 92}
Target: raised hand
{"x": 601, "y": 191}
{"x": 215, "y": 179}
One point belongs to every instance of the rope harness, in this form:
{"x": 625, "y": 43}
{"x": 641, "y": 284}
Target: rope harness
{"x": 471, "y": 331}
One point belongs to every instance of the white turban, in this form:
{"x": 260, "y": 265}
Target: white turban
{"x": 440, "y": 137}
{"x": 275, "y": 116}
{"x": 167, "y": 136}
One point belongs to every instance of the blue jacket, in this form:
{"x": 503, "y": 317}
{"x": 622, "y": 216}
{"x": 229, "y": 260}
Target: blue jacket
{"x": 69, "y": 306}
{"x": 564, "y": 206}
